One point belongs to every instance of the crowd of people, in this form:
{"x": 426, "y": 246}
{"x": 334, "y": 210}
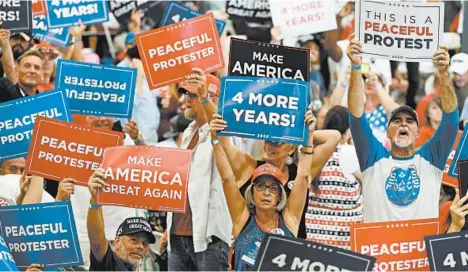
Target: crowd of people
{"x": 380, "y": 133}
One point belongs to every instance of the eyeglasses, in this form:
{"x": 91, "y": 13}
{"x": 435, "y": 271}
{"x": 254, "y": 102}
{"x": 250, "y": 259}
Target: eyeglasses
{"x": 191, "y": 95}
{"x": 261, "y": 186}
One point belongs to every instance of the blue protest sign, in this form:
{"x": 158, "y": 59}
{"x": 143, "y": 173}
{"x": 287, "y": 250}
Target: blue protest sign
{"x": 43, "y": 233}
{"x": 61, "y": 13}
{"x": 265, "y": 108}
{"x": 176, "y": 13}
{"x": 7, "y": 262}
{"x": 460, "y": 155}
{"x": 99, "y": 90}
{"x": 57, "y": 36}
{"x": 17, "y": 120}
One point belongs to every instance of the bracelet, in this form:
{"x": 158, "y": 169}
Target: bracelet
{"x": 138, "y": 142}
{"x": 305, "y": 152}
{"x": 356, "y": 67}
{"x": 207, "y": 99}
{"x": 215, "y": 142}
{"x": 310, "y": 146}
{"x": 344, "y": 86}
{"x": 94, "y": 206}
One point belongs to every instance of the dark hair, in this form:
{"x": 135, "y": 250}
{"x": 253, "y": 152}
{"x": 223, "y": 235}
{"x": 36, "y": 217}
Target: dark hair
{"x": 438, "y": 101}
{"x": 337, "y": 118}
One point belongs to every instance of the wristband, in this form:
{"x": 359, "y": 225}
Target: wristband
{"x": 356, "y": 67}
{"x": 94, "y": 206}
{"x": 305, "y": 152}
{"x": 207, "y": 99}
{"x": 215, "y": 142}
{"x": 344, "y": 86}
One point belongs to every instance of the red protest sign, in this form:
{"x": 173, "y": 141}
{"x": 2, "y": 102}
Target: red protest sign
{"x": 38, "y": 7}
{"x": 446, "y": 178}
{"x": 398, "y": 245}
{"x": 169, "y": 53}
{"x": 146, "y": 177}
{"x": 61, "y": 150}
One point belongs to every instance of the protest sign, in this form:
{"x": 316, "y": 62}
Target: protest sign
{"x": 299, "y": 17}
{"x": 278, "y": 253}
{"x": 122, "y": 9}
{"x": 169, "y": 53}
{"x": 38, "y": 7}
{"x": 43, "y": 233}
{"x": 146, "y": 178}
{"x": 398, "y": 245}
{"x": 16, "y": 15}
{"x": 61, "y": 13}
{"x": 463, "y": 180}
{"x": 401, "y": 31}
{"x": 61, "y": 150}
{"x": 251, "y": 58}
{"x": 264, "y": 108}
{"x": 461, "y": 154}
{"x": 57, "y": 36}
{"x": 95, "y": 89}
{"x": 446, "y": 178}
{"x": 176, "y": 13}
{"x": 249, "y": 10}
{"x": 7, "y": 263}
{"x": 448, "y": 252}
{"x": 17, "y": 119}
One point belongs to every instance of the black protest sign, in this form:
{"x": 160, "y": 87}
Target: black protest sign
{"x": 252, "y": 58}
{"x": 249, "y": 10}
{"x": 448, "y": 252}
{"x": 16, "y": 15}
{"x": 278, "y": 253}
{"x": 463, "y": 180}
{"x": 122, "y": 10}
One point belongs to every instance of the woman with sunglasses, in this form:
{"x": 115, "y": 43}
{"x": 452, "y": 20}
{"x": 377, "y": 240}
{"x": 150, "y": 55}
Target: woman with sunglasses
{"x": 266, "y": 207}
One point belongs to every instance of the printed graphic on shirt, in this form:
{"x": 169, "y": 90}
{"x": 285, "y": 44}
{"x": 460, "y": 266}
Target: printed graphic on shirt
{"x": 403, "y": 186}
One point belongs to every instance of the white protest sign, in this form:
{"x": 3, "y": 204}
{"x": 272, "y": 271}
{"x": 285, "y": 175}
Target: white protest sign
{"x": 402, "y": 31}
{"x": 299, "y": 17}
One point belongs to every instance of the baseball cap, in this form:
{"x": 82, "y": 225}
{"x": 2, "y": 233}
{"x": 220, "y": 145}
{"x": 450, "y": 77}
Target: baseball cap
{"x": 403, "y": 109}
{"x": 268, "y": 170}
{"x": 133, "y": 225}
{"x": 212, "y": 85}
{"x": 459, "y": 63}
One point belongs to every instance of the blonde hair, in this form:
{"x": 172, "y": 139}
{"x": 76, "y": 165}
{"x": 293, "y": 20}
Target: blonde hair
{"x": 251, "y": 204}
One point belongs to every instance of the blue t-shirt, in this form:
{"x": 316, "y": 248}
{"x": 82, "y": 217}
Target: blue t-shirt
{"x": 402, "y": 188}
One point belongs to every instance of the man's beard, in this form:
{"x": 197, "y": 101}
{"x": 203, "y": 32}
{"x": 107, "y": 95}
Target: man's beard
{"x": 402, "y": 143}
{"x": 18, "y": 50}
{"x": 190, "y": 114}
{"x": 125, "y": 256}
{"x": 459, "y": 84}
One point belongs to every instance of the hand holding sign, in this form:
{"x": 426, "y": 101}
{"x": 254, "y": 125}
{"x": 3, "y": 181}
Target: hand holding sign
{"x": 77, "y": 31}
{"x": 198, "y": 79}
{"x": 65, "y": 189}
{"x": 310, "y": 119}
{"x": 96, "y": 182}
{"x": 217, "y": 124}
{"x": 442, "y": 59}
{"x": 34, "y": 268}
{"x": 4, "y": 37}
{"x": 131, "y": 128}
{"x": 354, "y": 51}
{"x": 458, "y": 211}
{"x": 135, "y": 20}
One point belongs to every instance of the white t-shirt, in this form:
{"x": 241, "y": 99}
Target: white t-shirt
{"x": 10, "y": 189}
{"x": 402, "y": 188}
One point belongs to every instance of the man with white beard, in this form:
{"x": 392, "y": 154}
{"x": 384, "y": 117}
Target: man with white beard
{"x": 402, "y": 183}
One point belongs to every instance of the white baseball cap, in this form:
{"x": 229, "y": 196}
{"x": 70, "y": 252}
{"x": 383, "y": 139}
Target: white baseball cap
{"x": 459, "y": 63}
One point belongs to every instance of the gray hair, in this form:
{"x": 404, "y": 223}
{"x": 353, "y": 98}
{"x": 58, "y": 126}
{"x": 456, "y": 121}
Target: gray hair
{"x": 250, "y": 203}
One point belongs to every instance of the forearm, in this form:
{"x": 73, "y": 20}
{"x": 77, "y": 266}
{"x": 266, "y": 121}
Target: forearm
{"x": 322, "y": 136}
{"x": 448, "y": 96}
{"x": 387, "y": 101}
{"x": 8, "y": 63}
{"x": 338, "y": 93}
{"x": 355, "y": 94}
{"x": 67, "y": 55}
{"x": 222, "y": 163}
{"x": 333, "y": 50}
{"x": 453, "y": 229}
{"x": 78, "y": 49}
{"x": 96, "y": 234}
{"x": 34, "y": 193}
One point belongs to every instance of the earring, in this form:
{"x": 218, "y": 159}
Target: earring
{"x": 289, "y": 160}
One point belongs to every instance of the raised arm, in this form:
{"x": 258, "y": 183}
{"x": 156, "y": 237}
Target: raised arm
{"x": 236, "y": 203}
{"x": 77, "y": 34}
{"x": 95, "y": 219}
{"x": 325, "y": 142}
{"x": 8, "y": 61}
{"x": 355, "y": 94}
{"x": 448, "y": 96}
{"x": 242, "y": 163}
{"x": 292, "y": 213}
